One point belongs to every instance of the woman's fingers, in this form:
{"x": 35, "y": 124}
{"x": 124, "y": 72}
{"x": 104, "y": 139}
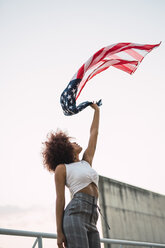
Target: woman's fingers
{"x": 94, "y": 105}
{"x": 62, "y": 243}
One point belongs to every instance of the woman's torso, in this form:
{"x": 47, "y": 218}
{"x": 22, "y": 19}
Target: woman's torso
{"x": 81, "y": 177}
{"x": 91, "y": 189}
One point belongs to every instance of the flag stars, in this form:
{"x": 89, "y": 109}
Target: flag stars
{"x": 74, "y": 90}
{"x": 69, "y": 97}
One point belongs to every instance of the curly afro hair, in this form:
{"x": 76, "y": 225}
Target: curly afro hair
{"x": 57, "y": 150}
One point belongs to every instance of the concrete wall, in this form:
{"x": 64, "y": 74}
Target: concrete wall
{"x": 133, "y": 213}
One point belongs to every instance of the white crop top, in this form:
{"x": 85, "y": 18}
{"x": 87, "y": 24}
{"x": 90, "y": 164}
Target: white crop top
{"x": 79, "y": 175}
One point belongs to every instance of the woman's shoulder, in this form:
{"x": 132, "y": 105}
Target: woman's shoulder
{"x": 60, "y": 175}
{"x": 60, "y": 169}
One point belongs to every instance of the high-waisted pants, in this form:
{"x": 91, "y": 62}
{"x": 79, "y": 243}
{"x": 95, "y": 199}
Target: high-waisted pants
{"x": 79, "y": 222}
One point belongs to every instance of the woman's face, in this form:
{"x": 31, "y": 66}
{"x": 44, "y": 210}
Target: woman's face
{"x": 77, "y": 148}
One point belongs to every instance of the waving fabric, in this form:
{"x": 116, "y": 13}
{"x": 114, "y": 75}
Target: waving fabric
{"x": 123, "y": 56}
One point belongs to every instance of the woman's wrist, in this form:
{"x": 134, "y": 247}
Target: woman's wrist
{"x": 59, "y": 231}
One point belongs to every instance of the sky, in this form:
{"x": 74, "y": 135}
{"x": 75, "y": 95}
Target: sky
{"x": 43, "y": 43}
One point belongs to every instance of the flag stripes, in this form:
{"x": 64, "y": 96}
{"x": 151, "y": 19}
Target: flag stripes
{"x": 123, "y": 56}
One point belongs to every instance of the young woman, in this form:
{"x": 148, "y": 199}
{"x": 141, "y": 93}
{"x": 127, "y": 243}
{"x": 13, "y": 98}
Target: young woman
{"x": 76, "y": 225}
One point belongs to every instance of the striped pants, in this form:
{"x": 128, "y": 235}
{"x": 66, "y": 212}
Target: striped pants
{"x": 79, "y": 222}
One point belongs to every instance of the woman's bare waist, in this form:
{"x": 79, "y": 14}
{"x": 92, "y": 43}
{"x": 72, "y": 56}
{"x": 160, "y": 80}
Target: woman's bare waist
{"x": 91, "y": 189}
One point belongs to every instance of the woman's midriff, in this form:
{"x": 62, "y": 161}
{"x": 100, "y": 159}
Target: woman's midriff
{"x": 91, "y": 189}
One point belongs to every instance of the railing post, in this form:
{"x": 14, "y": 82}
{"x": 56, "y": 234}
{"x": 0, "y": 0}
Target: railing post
{"x": 40, "y": 242}
{"x": 35, "y": 243}
{"x": 121, "y": 246}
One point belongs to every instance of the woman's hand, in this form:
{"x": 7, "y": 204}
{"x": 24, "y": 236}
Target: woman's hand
{"x": 61, "y": 240}
{"x": 94, "y": 106}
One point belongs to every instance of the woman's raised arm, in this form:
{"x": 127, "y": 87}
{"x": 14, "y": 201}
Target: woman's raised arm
{"x": 90, "y": 151}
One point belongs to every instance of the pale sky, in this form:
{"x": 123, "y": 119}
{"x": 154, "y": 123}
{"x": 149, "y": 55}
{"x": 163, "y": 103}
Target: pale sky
{"x": 43, "y": 43}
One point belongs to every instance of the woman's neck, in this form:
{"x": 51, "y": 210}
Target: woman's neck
{"x": 76, "y": 158}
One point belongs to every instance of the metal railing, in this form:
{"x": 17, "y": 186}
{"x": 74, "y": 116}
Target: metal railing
{"x": 40, "y": 235}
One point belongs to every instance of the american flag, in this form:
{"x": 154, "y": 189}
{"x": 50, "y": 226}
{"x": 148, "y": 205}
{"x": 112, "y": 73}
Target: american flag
{"x": 123, "y": 56}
